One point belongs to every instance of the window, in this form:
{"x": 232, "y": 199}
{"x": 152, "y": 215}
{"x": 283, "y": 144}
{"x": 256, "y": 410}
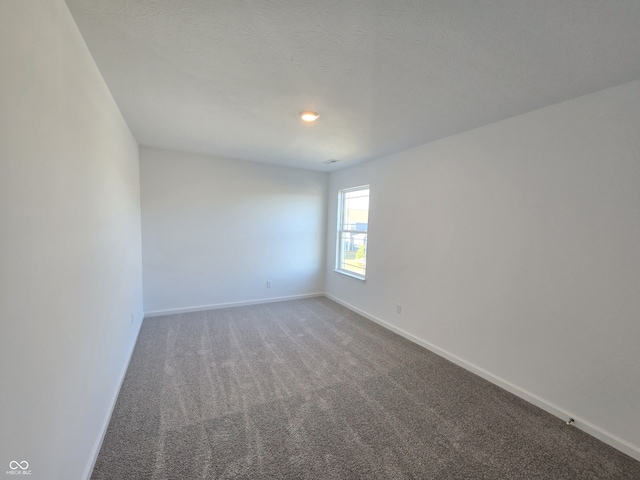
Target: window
{"x": 353, "y": 221}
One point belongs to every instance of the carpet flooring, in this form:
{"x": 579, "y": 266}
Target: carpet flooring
{"x": 307, "y": 389}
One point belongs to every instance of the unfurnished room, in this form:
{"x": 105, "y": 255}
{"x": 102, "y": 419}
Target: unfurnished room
{"x": 295, "y": 239}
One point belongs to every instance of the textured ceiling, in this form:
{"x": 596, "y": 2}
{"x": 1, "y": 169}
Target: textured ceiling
{"x": 228, "y": 77}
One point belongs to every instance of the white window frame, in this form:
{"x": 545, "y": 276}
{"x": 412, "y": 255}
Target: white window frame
{"x": 340, "y": 232}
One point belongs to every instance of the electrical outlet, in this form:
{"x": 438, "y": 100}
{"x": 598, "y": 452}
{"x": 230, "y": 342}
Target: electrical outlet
{"x": 268, "y": 283}
{"x": 398, "y": 308}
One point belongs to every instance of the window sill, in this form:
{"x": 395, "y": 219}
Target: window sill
{"x": 350, "y": 274}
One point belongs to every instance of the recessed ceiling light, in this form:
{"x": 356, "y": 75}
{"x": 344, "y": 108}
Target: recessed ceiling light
{"x": 309, "y": 116}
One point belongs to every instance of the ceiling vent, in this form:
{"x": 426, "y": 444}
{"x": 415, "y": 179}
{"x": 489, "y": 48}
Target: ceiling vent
{"x": 329, "y": 162}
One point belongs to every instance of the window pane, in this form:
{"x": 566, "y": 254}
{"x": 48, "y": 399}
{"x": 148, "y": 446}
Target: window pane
{"x": 356, "y": 210}
{"x": 352, "y": 233}
{"x": 353, "y": 252}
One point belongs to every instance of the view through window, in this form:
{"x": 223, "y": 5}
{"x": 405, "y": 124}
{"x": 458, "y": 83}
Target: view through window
{"x": 353, "y": 218}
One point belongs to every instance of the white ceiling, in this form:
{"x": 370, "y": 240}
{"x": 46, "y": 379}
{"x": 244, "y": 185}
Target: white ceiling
{"x": 228, "y": 77}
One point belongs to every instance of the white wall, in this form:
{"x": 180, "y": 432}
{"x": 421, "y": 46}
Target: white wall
{"x": 515, "y": 249}
{"x": 70, "y": 267}
{"x": 214, "y": 231}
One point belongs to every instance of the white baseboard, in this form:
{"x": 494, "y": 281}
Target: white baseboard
{"x": 584, "y": 425}
{"x": 200, "y": 308}
{"x": 98, "y": 445}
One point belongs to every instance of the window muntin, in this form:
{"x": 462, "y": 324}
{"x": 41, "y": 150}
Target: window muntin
{"x": 353, "y": 226}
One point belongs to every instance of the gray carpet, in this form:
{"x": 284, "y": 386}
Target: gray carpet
{"x": 310, "y": 390}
